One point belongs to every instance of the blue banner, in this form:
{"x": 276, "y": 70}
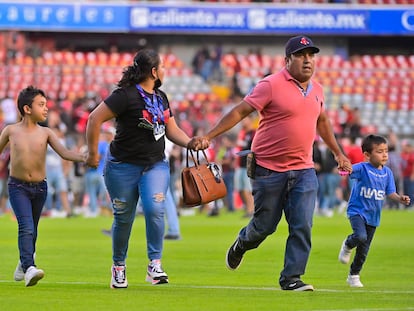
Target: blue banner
{"x": 59, "y": 16}
{"x": 340, "y": 20}
{"x": 389, "y": 22}
{"x": 249, "y": 20}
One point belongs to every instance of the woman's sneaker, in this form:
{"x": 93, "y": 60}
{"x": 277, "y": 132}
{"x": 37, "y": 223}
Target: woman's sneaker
{"x": 33, "y": 275}
{"x": 155, "y": 273}
{"x": 119, "y": 279}
{"x": 19, "y": 273}
{"x": 354, "y": 281}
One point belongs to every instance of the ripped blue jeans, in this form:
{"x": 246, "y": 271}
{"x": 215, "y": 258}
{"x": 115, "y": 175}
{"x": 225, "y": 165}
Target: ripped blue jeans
{"x": 126, "y": 183}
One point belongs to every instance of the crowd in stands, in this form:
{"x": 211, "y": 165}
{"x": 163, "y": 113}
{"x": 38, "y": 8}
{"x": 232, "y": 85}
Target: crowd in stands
{"x": 77, "y": 81}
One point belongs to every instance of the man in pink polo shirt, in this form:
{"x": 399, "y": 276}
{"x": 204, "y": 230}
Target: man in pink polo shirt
{"x": 291, "y": 109}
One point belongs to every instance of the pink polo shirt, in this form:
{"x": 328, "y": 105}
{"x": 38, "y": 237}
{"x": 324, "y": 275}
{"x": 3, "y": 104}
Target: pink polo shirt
{"x": 287, "y": 125}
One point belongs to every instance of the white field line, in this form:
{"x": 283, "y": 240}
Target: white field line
{"x": 249, "y": 288}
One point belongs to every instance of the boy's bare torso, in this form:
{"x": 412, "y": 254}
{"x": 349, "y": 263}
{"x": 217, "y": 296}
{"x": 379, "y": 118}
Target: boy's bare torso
{"x": 29, "y": 146}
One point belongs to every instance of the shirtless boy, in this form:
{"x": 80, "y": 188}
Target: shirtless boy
{"x": 27, "y": 182}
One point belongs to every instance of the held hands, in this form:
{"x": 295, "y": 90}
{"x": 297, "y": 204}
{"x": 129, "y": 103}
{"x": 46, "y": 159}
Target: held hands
{"x": 198, "y": 143}
{"x": 344, "y": 165}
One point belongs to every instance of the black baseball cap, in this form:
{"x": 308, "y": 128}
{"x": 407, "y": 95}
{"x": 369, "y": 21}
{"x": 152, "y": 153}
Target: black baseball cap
{"x": 298, "y": 43}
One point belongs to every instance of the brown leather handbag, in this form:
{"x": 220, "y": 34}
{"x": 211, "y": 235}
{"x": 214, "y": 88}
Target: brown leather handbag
{"x": 203, "y": 182}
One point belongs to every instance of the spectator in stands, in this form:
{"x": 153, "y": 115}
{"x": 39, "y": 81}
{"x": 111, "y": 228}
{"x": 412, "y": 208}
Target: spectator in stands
{"x": 329, "y": 184}
{"x": 8, "y": 108}
{"x": 136, "y": 166}
{"x": 202, "y": 63}
{"x": 242, "y": 183}
{"x": 216, "y": 56}
{"x": 94, "y": 181}
{"x": 15, "y": 43}
{"x": 344, "y": 115}
{"x": 354, "y": 124}
{"x": 171, "y": 212}
{"x": 76, "y": 177}
{"x": 4, "y": 172}
{"x": 353, "y": 150}
{"x": 226, "y": 157}
{"x": 396, "y": 165}
{"x": 234, "y": 84}
{"x": 4, "y": 176}
{"x": 317, "y": 163}
{"x": 57, "y": 201}
{"x": 291, "y": 108}
{"x": 27, "y": 182}
{"x": 407, "y": 154}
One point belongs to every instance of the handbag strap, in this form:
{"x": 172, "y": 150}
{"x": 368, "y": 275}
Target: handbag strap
{"x": 196, "y": 160}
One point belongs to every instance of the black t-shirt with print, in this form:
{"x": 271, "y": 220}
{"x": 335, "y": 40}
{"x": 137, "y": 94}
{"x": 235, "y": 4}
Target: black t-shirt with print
{"x": 134, "y": 144}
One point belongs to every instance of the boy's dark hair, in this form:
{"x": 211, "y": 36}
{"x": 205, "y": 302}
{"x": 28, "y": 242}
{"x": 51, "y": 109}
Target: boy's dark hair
{"x": 26, "y": 97}
{"x": 369, "y": 141}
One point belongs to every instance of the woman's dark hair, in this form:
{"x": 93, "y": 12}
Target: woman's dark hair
{"x": 141, "y": 69}
{"x": 26, "y": 97}
{"x": 369, "y": 141}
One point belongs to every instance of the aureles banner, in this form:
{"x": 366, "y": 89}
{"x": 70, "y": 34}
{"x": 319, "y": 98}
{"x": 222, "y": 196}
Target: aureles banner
{"x": 64, "y": 16}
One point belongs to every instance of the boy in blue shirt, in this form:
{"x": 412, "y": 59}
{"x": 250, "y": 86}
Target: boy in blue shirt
{"x": 373, "y": 182}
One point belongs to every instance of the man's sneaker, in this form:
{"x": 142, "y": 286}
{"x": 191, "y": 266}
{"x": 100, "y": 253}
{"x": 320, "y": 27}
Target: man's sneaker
{"x": 354, "y": 281}
{"x": 119, "y": 279}
{"x": 345, "y": 253}
{"x": 298, "y": 286}
{"x": 234, "y": 256}
{"x": 33, "y": 275}
{"x": 155, "y": 273}
{"x": 19, "y": 273}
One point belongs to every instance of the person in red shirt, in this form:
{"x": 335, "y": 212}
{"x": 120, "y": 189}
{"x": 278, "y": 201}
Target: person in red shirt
{"x": 407, "y": 155}
{"x": 353, "y": 151}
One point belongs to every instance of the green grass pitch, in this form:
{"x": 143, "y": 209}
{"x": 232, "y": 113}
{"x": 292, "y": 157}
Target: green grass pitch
{"x": 76, "y": 258}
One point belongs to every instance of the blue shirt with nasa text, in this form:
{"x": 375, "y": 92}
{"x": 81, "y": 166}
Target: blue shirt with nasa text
{"x": 370, "y": 188}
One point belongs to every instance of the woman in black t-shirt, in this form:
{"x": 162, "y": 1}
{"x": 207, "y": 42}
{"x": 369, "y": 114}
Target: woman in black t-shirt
{"x": 136, "y": 166}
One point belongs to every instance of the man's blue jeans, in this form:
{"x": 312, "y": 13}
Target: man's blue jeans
{"x": 27, "y": 200}
{"x": 291, "y": 192}
{"x": 361, "y": 238}
{"x": 126, "y": 183}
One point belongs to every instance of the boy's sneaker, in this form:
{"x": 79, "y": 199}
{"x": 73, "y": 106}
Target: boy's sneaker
{"x": 155, "y": 273}
{"x": 298, "y": 286}
{"x": 345, "y": 253}
{"x": 234, "y": 256}
{"x": 119, "y": 279}
{"x": 18, "y": 273}
{"x": 33, "y": 275}
{"x": 354, "y": 281}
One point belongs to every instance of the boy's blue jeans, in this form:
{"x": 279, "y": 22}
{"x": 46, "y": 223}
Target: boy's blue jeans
{"x": 27, "y": 200}
{"x": 361, "y": 238}
{"x": 294, "y": 194}
{"x": 126, "y": 183}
